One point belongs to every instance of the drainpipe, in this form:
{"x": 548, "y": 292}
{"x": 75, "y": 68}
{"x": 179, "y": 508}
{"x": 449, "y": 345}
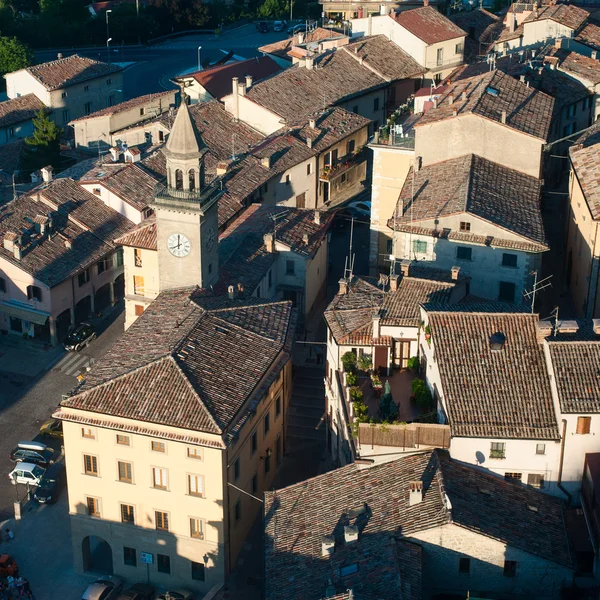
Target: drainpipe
{"x": 560, "y": 464}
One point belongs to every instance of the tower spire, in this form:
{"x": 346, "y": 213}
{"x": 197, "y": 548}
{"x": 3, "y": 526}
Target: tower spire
{"x": 185, "y": 142}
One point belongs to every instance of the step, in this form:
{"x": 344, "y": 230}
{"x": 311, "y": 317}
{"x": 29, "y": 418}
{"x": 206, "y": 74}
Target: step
{"x": 306, "y": 411}
{"x": 301, "y": 421}
{"x": 309, "y": 386}
{"x": 308, "y": 402}
{"x": 306, "y": 432}
{"x": 308, "y": 373}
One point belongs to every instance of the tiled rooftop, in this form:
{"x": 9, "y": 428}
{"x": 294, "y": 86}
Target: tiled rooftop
{"x": 493, "y": 393}
{"x": 579, "y": 65}
{"x": 160, "y": 372}
{"x": 568, "y": 15}
{"x": 491, "y": 95}
{"x": 19, "y": 109}
{"x": 385, "y": 57}
{"x": 282, "y": 47}
{"x": 78, "y": 217}
{"x": 73, "y": 69}
{"x": 142, "y": 236}
{"x": 428, "y": 24}
{"x": 295, "y": 523}
{"x": 590, "y": 34}
{"x": 471, "y": 184}
{"x": 586, "y": 166}
{"x": 10, "y": 156}
{"x": 157, "y": 100}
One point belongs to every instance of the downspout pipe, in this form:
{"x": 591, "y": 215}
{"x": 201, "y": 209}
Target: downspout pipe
{"x": 561, "y": 487}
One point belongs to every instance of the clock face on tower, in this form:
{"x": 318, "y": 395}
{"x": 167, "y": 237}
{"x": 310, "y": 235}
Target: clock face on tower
{"x": 178, "y": 245}
{"x": 211, "y": 236}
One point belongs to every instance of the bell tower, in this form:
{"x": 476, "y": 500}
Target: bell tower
{"x": 186, "y": 211}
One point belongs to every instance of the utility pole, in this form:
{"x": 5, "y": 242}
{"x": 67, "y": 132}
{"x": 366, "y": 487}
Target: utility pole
{"x": 108, "y": 38}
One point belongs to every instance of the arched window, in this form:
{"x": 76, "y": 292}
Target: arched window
{"x": 192, "y": 179}
{"x": 178, "y": 179}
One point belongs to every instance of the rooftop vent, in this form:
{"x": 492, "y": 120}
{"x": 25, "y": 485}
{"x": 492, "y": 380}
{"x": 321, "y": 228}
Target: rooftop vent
{"x": 343, "y": 286}
{"x": 486, "y": 491}
{"x": 350, "y": 534}
{"x": 596, "y": 325}
{"x": 533, "y": 508}
{"x": 416, "y": 493}
{"x": 567, "y": 326}
{"x": 497, "y": 341}
{"x": 327, "y": 545}
{"x": 455, "y": 272}
{"x": 492, "y": 91}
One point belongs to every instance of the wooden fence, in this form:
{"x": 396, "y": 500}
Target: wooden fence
{"x": 413, "y": 435}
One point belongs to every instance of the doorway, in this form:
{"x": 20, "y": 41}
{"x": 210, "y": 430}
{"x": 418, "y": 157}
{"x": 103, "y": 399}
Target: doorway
{"x": 97, "y": 555}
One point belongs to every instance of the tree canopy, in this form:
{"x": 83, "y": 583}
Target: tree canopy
{"x": 14, "y": 55}
{"x": 43, "y": 147}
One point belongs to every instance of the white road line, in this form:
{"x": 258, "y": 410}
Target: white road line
{"x": 77, "y": 366}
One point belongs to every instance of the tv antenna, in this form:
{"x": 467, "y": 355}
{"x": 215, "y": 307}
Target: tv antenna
{"x": 275, "y": 218}
{"x": 233, "y": 146}
{"x": 538, "y": 286}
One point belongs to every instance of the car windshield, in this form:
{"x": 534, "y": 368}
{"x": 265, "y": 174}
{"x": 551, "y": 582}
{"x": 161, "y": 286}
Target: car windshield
{"x": 77, "y": 335}
{"x": 37, "y": 471}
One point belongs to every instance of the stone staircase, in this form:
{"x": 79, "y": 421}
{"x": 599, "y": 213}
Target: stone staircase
{"x": 306, "y": 429}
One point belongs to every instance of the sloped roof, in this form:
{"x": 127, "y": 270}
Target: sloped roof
{"x": 578, "y": 65}
{"x": 142, "y": 236}
{"x": 474, "y": 185}
{"x": 428, "y": 24}
{"x": 491, "y": 95}
{"x": 586, "y": 166}
{"x": 590, "y": 34}
{"x": 568, "y": 15}
{"x": 19, "y": 109}
{"x": 282, "y": 47}
{"x": 184, "y": 140}
{"x": 493, "y": 394}
{"x": 73, "y": 69}
{"x": 160, "y": 372}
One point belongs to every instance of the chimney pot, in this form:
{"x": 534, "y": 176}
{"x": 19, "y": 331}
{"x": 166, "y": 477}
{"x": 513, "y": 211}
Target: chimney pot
{"x": 327, "y": 545}
{"x": 463, "y": 96}
{"x": 543, "y": 330}
{"x": 68, "y": 244}
{"x": 17, "y": 251}
{"x": 312, "y": 123}
{"x": 241, "y": 89}
{"x": 47, "y": 173}
{"x": 417, "y": 165}
{"x": 451, "y": 99}
{"x": 503, "y": 118}
{"x": 376, "y": 326}
{"x": 350, "y": 534}
{"x": 305, "y": 238}
{"x": 455, "y": 272}
{"x": 454, "y": 112}
{"x": 309, "y": 142}
{"x": 310, "y": 63}
{"x": 394, "y": 283}
{"x": 343, "y": 286}
{"x": 231, "y": 292}
{"x": 269, "y": 242}
{"x": 416, "y": 493}
{"x": 317, "y": 217}
{"x": 522, "y": 78}
{"x": 59, "y": 55}
{"x": 115, "y": 153}
{"x": 425, "y": 2}
{"x": 405, "y": 267}
{"x": 300, "y": 38}
{"x": 249, "y": 80}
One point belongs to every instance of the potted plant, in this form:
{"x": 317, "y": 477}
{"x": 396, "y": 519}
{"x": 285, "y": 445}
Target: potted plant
{"x": 376, "y": 382}
{"x": 364, "y": 363}
{"x": 427, "y": 331}
{"x": 413, "y": 363}
{"x": 351, "y": 379}
{"x": 422, "y": 394}
{"x": 349, "y": 362}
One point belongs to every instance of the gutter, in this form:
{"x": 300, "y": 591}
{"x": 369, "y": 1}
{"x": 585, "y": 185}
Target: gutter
{"x": 560, "y": 464}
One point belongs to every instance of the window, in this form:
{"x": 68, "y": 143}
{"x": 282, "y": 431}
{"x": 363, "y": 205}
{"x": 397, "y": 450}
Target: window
{"x": 498, "y": 450}
{"x": 195, "y": 452}
{"x": 161, "y": 520}
{"x": 465, "y": 226}
{"x": 108, "y": 81}
{"x": 88, "y": 432}
{"x": 255, "y": 483}
{"x": 142, "y": 111}
{"x": 196, "y": 485}
{"x": 93, "y": 506}
{"x": 137, "y": 255}
{"x": 267, "y": 423}
{"x": 163, "y": 563}
{"x": 506, "y": 291}
{"x": 90, "y": 465}
{"x": 196, "y": 528}
{"x": 123, "y": 440}
{"x": 267, "y": 464}
{"x": 198, "y": 571}
{"x": 440, "y": 57}
{"x": 287, "y": 180}
{"x": 236, "y": 469}
{"x": 375, "y": 104}
{"x": 540, "y": 448}
{"x": 290, "y": 267}
{"x": 87, "y": 108}
{"x": 65, "y": 116}
{"x": 129, "y": 556}
{"x": 86, "y": 88}
{"x": 535, "y": 480}
{"x": 509, "y": 260}
{"x": 119, "y": 257}
{"x": 464, "y": 253}
{"x": 464, "y": 566}
{"x": 125, "y": 472}
{"x": 343, "y": 178}
{"x": 139, "y": 310}
{"x": 572, "y": 111}
{"x": 34, "y": 293}
{"x": 2, "y": 284}
{"x": 127, "y": 513}
{"x": 583, "y": 425}
{"x": 63, "y": 95}
{"x": 350, "y": 146}
{"x": 160, "y": 477}
{"x": 237, "y": 511}
{"x": 138, "y": 285}
{"x": 419, "y": 247}
{"x": 158, "y": 446}
{"x": 253, "y": 442}
{"x": 309, "y": 168}
{"x": 513, "y": 477}
{"x": 278, "y": 406}
{"x": 458, "y": 49}
{"x": 102, "y": 266}
{"x": 83, "y": 277}
{"x": 510, "y": 568}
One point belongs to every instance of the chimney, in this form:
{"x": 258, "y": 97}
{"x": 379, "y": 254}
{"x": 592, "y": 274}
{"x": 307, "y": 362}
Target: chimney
{"x": 503, "y": 117}
{"x": 451, "y": 99}
{"x": 543, "y": 330}
{"x": 394, "y": 283}
{"x": 568, "y": 326}
{"x": 59, "y": 55}
{"x": 463, "y": 96}
{"x": 249, "y": 80}
{"x": 435, "y": 101}
{"x": 405, "y": 267}
{"x": 17, "y": 251}
{"x": 376, "y": 326}
{"x": 511, "y": 22}
{"x": 222, "y": 167}
{"x": 115, "y": 153}
{"x": 455, "y": 272}
{"x": 350, "y": 534}
{"x": 47, "y": 173}
{"x": 454, "y": 112}
{"x": 312, "y": 123}
{"x": 265, "y": 161}
{"x": 231, "y": 292}
{"x": 343, "y": 286}
{"x": 417, "y": 165}
{"x": 241, "y": 89}
{"x": 369, "y": 24}
{"x": 269, "y": 242}
{"x": 327, "y": 545}
{"x": 522, "y": 78}
{"x": 300, "y": 38}
{"x": 594, "y": 55}
{"x": 309, "y": 63}
{"x": 68, "y": 244}
{"x": 416, "y": 493}
{"x": 425, "y": 2}
{"x": 596, "y": 324}
{"x": 317, "y": 217}
{"x": 10, "y": 238}
{"x": 305, "y": 238}
{"x": 309, "y": 142}
{"x": 235, "y": 109}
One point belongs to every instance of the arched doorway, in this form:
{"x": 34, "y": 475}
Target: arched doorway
{"x": 120, "y": 287}
{"x": 83, "y": 309}
{"x": 97, "y": 555}
{"x": 102, "y": 298}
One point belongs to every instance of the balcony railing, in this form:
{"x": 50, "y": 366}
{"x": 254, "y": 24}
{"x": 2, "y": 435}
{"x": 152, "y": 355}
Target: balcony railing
{"x": 445, "y": 63}
{"x": 164, "y": 194}
{"x": 330, "y": 172}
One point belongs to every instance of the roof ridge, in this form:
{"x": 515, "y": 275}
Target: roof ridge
{"x": 246, "y": 331}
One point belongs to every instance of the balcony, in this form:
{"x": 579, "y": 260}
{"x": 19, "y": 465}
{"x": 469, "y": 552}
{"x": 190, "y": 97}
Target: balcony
{"x": 398, "y": 130}
{"x": 186, "y": 199}
{"x": 447, "y": 63}
{"x": 331, "y": 172}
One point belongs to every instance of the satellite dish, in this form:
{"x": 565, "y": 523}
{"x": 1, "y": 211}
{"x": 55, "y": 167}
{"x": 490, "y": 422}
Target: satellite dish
{"x": 479, "y": 457}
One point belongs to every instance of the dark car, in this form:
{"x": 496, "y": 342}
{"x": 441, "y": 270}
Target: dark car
{"x": 296, "y": 29}
{"x": 8, "y": 566}
{"x": 32, "y": 452}
{"x": 138, "y": 591}
{"x": 176, "y": 595}
{"x": 80, "y": 337}
{"x": 50, "y": 485}
{"x": 262, "y": 27}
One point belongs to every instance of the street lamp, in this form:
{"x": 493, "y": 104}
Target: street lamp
{"x": 107, "y": 33}
{"x": 108, "y": 102}
{"x": 199, "y": 48}
{"x": 108, "y": 41}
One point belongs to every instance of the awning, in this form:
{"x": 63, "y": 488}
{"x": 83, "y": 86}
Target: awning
{"x": 27, "y": 314}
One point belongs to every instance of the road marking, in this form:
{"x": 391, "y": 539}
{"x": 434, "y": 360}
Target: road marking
{"x": 74, "y": 364}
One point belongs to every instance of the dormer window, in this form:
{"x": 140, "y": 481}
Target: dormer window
{"x": 497, "y": 341}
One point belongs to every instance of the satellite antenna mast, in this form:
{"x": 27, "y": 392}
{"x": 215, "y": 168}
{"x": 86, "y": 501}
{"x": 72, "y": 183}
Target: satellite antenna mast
{"x": 538, "y": 286}
{"x": 233, "y": 146}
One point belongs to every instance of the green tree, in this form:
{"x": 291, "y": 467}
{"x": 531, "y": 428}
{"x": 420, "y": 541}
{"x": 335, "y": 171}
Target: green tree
{"x": 43, "y": 147}
{"x": 271, "y": 9}
{"x": 14, "y": 55}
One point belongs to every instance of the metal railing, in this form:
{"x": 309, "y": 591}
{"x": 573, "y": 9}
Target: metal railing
{"x": 199, "y": 197}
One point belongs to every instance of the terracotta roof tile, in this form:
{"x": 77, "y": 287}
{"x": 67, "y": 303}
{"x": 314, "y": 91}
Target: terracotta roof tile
{"x": 590, "y": 34}
{"x": 428, "y": 24}
{"x": 19, "y": 109}
{"x": 10, "y": 156}
{"x": 282, "y": 47}
{"x": 517, "y": 402}
{"x": 142, "y": 236}
{"x": 568, "y": 15}
{"x": 586, "y": 166}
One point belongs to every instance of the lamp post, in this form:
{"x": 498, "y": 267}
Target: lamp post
{"x": 107, "y": 32}
{"x": 108, "y": 38}
{"x": 108, "y": 102}
{"x": 199, "y": 48}
{"x": 108, "y": 41}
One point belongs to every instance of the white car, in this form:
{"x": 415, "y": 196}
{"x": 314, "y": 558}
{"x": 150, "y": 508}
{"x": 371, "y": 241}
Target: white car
{"x": 26, "y": 473}
{"x": 104, "y": 588}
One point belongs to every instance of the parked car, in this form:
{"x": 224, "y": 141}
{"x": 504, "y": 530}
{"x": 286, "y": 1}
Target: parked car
{"x": 32, "y": 452}
{"x": 26, "y": 473}
{"x": 80, "y": 337}
{"x": 138, "y": 591}
{"x": 8, "y": 566}
{"x": 262, "y": 27}
{"x": 50, "y": 484}
{"x": 296, "y": 29}
{"x": 106, "y": 587}
{"x": 176, "y": 595}
{"x": 279, "y": 25}
{"x": 52, "y": 428}
{"x": 360, "y": 209}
